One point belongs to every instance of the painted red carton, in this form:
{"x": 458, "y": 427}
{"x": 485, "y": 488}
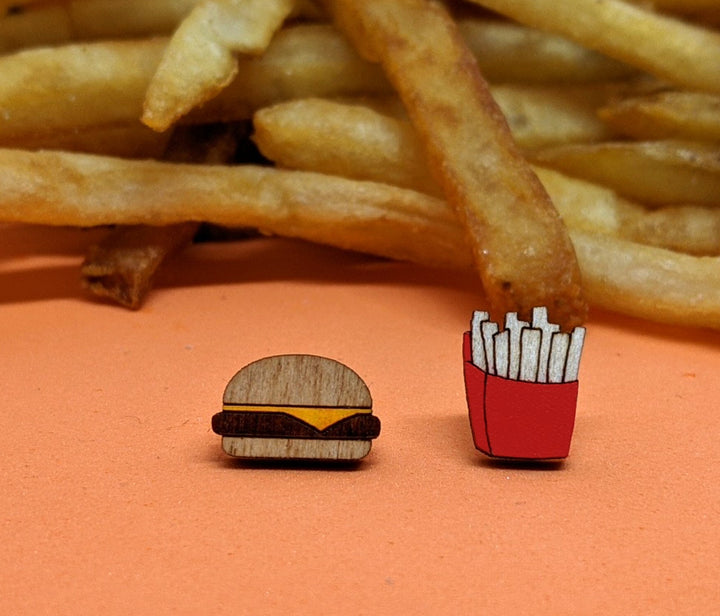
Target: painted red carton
{"x": 517, "y": 419}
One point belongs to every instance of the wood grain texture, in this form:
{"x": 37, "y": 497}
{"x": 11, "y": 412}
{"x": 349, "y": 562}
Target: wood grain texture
{"x": 299, "y": 380}
{"x": 296, "y": 407}
{"x": 297, "y": 449}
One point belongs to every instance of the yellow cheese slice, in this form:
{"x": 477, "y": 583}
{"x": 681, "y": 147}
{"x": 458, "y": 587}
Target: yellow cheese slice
{"x": 319, "y": 417}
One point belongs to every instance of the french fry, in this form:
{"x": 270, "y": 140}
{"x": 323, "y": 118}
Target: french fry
{"x": 48, "y": 26}
{"x": 649, "y": 282}
{"x": 84, "y": 190}
{"x": 132, "y": 140}
{"x": 597, "y": 209}
{"x": 123, "y": 265}
{"x": 75, "y": 86}
{"x": 52, "y": 24}
{"x": 97, "y": 19}
{"x": 378, "y": 147}
{"x": 200, "y": 59}
{"x": 511, "y": 53}
{"x": 521, "y": 247}
{"x": 653, "y": 172}
{"x": 666, "y": 115}
{"x": 365, "y": 155}
{"x": 680, "y": 52}
{"x": 49, "y": 90}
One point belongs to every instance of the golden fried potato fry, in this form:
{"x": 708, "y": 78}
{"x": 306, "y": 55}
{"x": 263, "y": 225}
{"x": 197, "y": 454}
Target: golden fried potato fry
{"x": 96, "y": 19}
{"x": 680, "y": 52}
{"x": 511, "y": 53}
{"x": 596, "y": 209}
{"x": 132, "y": 140}
{"x": 522, "y": 250}
{"x": 361, "y": 143}
{"x": 52, "y": 24}
{"x": 680, "y": 6}
{"x": 653, "y": 172}
{"x": 666, "y": 115}
{"x": 200, "y": 59}
{"x": 48, "y": 26}
{"x": 540, "y": 116}
{"x": 122, "y": 266}
{"x": 80, "y": 85}
{"x": 648, "y": 282}
{"x": 317, "y": 129}
{"x": 85, "y": 190}
{"x": 348, "y": 140}
{"x": 49, "y": 90}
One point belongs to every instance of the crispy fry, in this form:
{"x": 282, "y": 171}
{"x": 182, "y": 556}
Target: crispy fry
{"x": 599, "y": 210}
{"x": 521, "y": 247}
{"x": 647, "y": 282}
{"x": 49, "y": 26}
{"x": 76, "y": 86}
{"x": 510, "y": 53}
{"x": 368, "y": 145}
{"x": 666, "y": 115}
{"x": 653, "y": 172}
{"x": 52, "y": 24}
{"x": 132, "y": 140}
{"x": 680, "y": 52}
{"x": 200, "y": 59}
{"x": 123, "y": 265}
{"x": 349, "y": 140}
{"x": 87, "y": 190}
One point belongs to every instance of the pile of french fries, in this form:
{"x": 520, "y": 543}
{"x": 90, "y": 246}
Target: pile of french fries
{"x": 568, "y": 150}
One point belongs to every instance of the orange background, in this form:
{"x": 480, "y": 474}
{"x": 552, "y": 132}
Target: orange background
{"x": 117, "y": 499}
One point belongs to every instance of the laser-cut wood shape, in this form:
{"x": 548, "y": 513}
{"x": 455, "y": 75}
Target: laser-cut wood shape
{"x": 297, "y": 407}
{"x": 521, "y": 385}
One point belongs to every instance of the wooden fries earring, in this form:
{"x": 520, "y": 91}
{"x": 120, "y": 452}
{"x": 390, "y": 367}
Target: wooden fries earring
{"x": 297, "y": 407}
{"x": 522, "y": 385}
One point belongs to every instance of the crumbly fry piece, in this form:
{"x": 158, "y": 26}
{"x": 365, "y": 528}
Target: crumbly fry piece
{"x": 123, "y": 265}
{"x": 669, "y": 48}
{"x": 200, "y": 59}
{"x": 521, "y": 247}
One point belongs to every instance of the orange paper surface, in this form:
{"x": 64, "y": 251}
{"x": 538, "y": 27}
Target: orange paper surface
{"x": 116, "y": 497}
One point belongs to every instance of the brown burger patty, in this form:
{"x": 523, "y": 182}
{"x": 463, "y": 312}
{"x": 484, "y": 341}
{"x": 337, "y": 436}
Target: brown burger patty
{"x": 272, "y": 425}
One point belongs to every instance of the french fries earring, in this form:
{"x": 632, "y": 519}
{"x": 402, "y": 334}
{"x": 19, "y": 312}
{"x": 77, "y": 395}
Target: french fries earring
{"x": 522, "y": 384}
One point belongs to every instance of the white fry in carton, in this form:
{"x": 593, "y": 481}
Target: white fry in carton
{"x": 476, "y": 338}
{"x": 488, "y": 330}
{"x": 540, "y": 321}
{"x": 501, "y": 340}
{"x": 577, "y": 339}
{"x": 529, "y": 353}
{"x": 515, "y": 327}
{"x": 558, "y": 357}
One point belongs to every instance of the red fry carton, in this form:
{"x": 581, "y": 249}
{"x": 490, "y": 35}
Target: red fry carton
{"x": 515, "y": 419}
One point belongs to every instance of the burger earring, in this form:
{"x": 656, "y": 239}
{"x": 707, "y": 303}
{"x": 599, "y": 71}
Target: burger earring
{"x": 301, "y": 407}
